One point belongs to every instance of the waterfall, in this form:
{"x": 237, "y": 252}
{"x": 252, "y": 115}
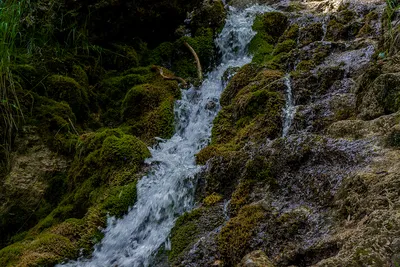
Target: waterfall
{"x": 167, "y": 190}
{"x": 290, "y": 109}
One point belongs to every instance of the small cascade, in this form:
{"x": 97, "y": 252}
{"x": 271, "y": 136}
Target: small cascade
{"x": 325, "y": 22}
{"x": 226, "y": 209}
{"x": 167, "y": 190}
{"x": 289, "y": 110}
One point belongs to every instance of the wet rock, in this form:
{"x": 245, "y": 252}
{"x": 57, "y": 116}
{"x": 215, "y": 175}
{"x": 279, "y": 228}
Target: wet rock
{"x": 381, "y": 97}
{"x": 255, "y": 259}
{"x": 211, "y": 105}
{"x": 34, "y": 171}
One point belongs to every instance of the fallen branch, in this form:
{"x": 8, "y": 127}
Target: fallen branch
{"x": 166, "y": 77}
{"x": 199, "y": 71}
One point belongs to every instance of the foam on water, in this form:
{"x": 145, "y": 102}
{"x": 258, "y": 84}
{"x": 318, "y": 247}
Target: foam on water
{"x": 167, "y": 190}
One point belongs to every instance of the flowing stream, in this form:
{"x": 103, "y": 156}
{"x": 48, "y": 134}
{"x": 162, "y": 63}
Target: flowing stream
{"x": 290, "y": 109}
{"x": 167, "y": 190}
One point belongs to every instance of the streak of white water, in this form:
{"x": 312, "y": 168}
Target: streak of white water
{"x": 167, "y": 191}
{"x": 290, "y": 109}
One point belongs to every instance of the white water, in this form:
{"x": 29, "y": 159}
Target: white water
{"x": 290, "y": 109}
{"x": 167, "y": 191}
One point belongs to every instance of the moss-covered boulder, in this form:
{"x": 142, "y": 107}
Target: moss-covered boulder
{"x": 255, "y": 111}
{"x": 62, "y": 88}
{"x": 235, "y": 237}
{"x": 211, "y": 14}
{"x": 311, "y": 33}
{"x": 381, "y": 97}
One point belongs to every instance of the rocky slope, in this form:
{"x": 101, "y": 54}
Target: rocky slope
{"x": 326, "y": 193}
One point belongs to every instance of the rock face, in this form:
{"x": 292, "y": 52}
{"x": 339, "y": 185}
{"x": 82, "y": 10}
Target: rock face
{"x": 325, "y": 195}
{"x": 255, "y": 259}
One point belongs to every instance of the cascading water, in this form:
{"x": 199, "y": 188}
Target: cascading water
{"x": 167, "y": 191}
{"x": 290, "y": 109}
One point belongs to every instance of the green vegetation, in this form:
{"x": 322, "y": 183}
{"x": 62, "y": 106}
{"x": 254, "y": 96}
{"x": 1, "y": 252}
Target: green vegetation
{"x": 10, "y": 109}
{"x": 236, "y": 235}
{"x": 184, "y": 233}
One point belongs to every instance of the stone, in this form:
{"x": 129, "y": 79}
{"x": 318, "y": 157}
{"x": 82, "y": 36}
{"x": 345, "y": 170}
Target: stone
{"x": 256, "y": 259}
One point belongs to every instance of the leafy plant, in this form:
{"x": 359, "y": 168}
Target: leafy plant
{"x": 11, "y": 114}
{"x": 392, "y": 6}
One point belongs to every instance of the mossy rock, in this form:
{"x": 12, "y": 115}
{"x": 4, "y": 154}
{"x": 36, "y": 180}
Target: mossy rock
{"x": 291, "y": 33}
{"x": 102, "y": 156}
{"x": 124, "y": 149}
{"x": 57, "y": 123}
{"x": 212, "y": 199}
{"x": 273, "y": 24}
{"x": 261, "y": 46}
{"x": 159, "y": 122}
{"x": 162, "y": 54}
{"x": 311, "y": 33}
{"x": 63, "y": 88}
{"x": 120, "y": 57}
{"x": 184, "y": 233}
{"x": 242, "y": 78}
{"x": 285, "y": 46}
{"x": 305, "y": 65}
{"x": 255, "y": 109}
{"x": 241, "y": 196}
{"x": 120, "y": 199}
{"x": 211, "y": 14}
{"x": 149, "y": 110}
{"x": 236, "y": 236}
{"x": 46, "y": 250}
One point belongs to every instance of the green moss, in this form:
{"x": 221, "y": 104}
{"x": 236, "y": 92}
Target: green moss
{"x": 56, "y": 121}
{"x": 62, "y": 88}
{"x": 285, "y": 46}
{"x": 224, "y": 126}
{"x": 102, "y": 159}
{"x": 305, "y": 65}
{"x": 160, "y": 121}
{"x": 346, "y": 15}
{"x": 291, "y": 33}
{"x": 120, "y": 199}
{"x": 214, "y": 150}
{"x": 253, "y": 112}
{"x": 393, "y": 138}
{"x": 162, "y": 54}
{"x": 212, "y": 199}
{"x": 365, "y": 30}
{"x": 295, "y": 7}
{"x": 124, "y": 149}
{"x": 241, "y": 196}
{"x": 334, "y": 30}
{"x": 203, "y": 44}
{"x": 258, "y": 169}
{"x": 80, "y": 75}
{"x": 311, "y": 33}
{"x": 242, "y": 78}
{"x": 120, "y": 57}
{"x": 46, "y": 250}
{"x": 29, "y": 76}
{"x": 235, "y": 237}
{"x": 272, "y": 23}
{"x": 11, "y": 254}
{"x": 261, "y": 47}
{"x": 184, "y": 233}
{"x": 211, "y": 15}
{"x": 140, "y": 99}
